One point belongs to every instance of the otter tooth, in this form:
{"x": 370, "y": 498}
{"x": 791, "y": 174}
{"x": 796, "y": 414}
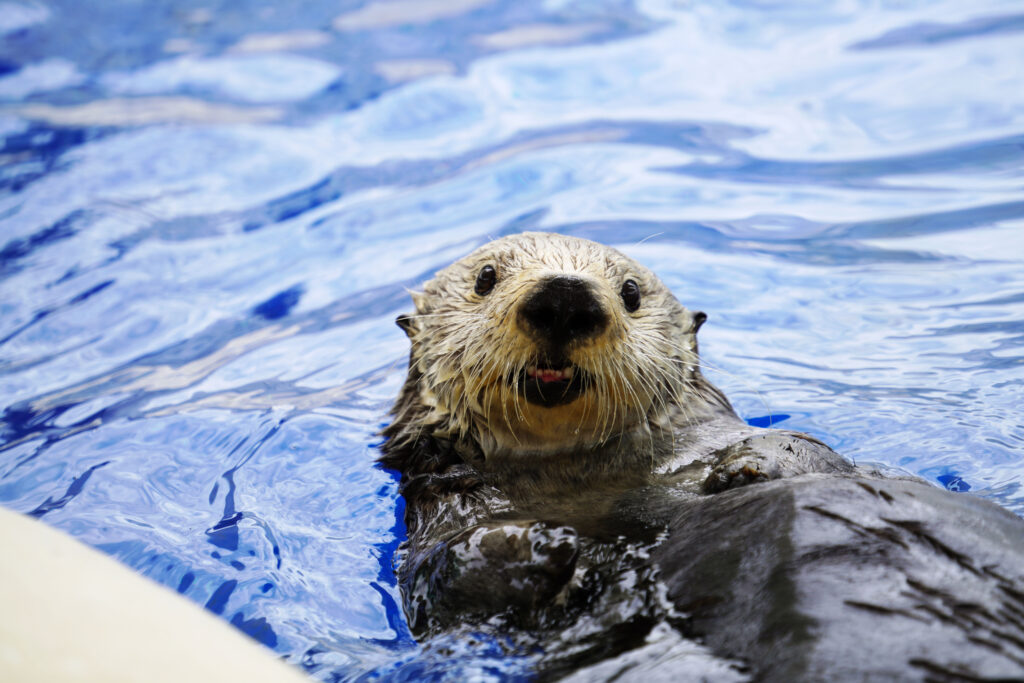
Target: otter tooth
{"x": 567, "y": 373}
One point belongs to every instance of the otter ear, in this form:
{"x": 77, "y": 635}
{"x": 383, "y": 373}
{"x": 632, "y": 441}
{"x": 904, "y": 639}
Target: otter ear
{"x": 407, "y": 321}
{"x": 698, "y": 319}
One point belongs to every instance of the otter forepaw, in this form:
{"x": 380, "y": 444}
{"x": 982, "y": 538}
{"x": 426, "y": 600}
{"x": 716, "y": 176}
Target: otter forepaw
{"x": 490, "y": 568}
{"x": 740, "y": 470}
{"x": 771, "y": 455}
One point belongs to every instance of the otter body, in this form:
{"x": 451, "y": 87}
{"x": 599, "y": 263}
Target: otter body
{"x": 575, "y": 484}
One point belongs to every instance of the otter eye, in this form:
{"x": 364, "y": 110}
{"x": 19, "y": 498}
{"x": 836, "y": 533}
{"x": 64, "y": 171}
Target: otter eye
{"x": 485, "y": 280}
{"x": 630, "y": 295}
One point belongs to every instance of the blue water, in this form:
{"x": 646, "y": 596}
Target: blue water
{"x": 210, "y": 213}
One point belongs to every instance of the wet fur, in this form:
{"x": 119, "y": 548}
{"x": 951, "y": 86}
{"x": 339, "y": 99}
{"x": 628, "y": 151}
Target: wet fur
{"x": 644, "y": 369}
{"x": 591, "y": 533}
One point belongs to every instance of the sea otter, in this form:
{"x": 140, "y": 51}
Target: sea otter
{"x": 574, "y": 483}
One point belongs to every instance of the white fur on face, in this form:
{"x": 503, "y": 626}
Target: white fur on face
{"x": 469, "y": 350}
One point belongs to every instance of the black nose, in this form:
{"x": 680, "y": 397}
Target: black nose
{"x": 563, "y": 309}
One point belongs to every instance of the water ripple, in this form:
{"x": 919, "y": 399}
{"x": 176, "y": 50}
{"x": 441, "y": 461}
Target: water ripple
{"x": 209, "y": 224}
{"x": 934, "y": 33}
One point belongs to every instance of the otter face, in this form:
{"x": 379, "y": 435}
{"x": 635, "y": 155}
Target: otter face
{"x": 541, "y": 343}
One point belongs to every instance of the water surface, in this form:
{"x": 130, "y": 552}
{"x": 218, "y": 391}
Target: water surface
{"x": 210, "y": 214}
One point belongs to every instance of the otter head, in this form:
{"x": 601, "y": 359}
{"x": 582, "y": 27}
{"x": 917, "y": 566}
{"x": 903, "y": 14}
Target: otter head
{"x": 541, "y": 344}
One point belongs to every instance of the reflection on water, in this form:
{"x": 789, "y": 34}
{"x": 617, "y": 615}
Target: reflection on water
{"x": 210, "y": 215}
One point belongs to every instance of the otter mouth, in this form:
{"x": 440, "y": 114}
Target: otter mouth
{"x": 551, "y": 385}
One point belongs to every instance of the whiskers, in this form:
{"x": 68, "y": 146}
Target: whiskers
{"x": 636, "y": 382}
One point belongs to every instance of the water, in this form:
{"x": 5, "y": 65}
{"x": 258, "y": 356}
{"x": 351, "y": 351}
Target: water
{"x": 211, "y": 213}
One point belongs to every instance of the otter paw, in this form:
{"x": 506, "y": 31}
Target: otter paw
{"x": 740, "y": 471}
{"x": 491, "y": 568}
{"x": 772, "y": 455}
